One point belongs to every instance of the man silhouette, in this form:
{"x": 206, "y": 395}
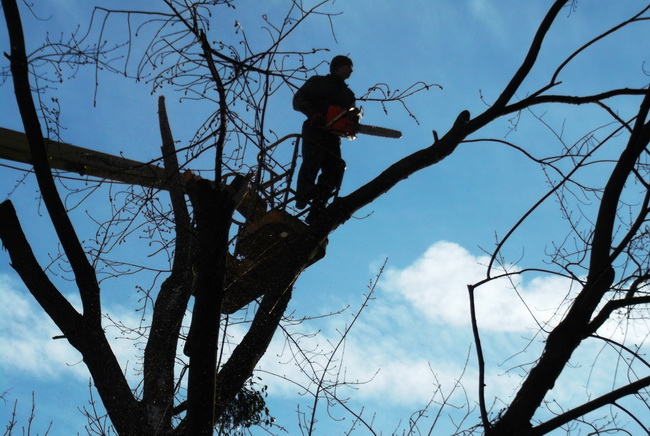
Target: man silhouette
{"x": 321, "y": 149}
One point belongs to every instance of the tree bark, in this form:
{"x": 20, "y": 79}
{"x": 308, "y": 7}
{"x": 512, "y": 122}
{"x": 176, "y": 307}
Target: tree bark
{"x": 213, "y": 209}
{"x": 171, "y": 303}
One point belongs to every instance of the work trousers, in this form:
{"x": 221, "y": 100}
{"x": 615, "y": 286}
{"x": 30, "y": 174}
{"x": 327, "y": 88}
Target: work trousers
{"x": 321, "y": 152}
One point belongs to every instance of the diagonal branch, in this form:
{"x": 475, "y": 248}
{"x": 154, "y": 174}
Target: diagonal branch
{"x": 176, "y": 190}
{"x": 598, "y": 38}
{"x": 531, "y": 57}
{"x": 84, "y": 332}
{"x": 83, "y": 270}
{"x": 604, "y": 227}
{"x": 341, "y": 209}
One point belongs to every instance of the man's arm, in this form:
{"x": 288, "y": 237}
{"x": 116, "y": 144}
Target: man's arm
{"x": 305, "y": 99}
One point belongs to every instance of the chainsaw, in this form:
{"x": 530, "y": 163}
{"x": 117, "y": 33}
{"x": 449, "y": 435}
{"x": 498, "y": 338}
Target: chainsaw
{"x": 345, "y": 123}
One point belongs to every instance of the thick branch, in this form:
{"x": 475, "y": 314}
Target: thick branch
{"x": 245, "y": 357}
{"x": 91, "y": 342}
{"x": 176, "y": 190}
{"x": 213, "y": 209}
{"x": 239, "y": 367}
{"x": 83, "y": 270}
{"x": 342, "y": 208}
{"x": 297, "y": 253}
{"x": 172, "y": 300}
{"x": 604, "y": 227}
{"x": 84, "y": 333}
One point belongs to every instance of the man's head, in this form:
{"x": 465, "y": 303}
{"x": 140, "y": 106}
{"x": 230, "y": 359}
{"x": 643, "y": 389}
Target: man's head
{"x": 341, "y": 66}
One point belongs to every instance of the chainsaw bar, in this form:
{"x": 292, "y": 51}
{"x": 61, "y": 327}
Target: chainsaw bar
{"x": 378, "y": 131}
{"x": 345, "y": 123}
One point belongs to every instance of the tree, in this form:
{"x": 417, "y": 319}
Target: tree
{"x": 222, "y": 282}
{"x": 592, "y": 264}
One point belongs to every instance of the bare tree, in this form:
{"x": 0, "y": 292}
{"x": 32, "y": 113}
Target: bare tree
{"x": 267, "y": 259}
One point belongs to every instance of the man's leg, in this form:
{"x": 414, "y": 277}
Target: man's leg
{"x": 312, "y": 156}
{"x": 333, "y": 168}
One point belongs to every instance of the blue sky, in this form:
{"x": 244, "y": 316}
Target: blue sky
{"x": 433, "y": 228}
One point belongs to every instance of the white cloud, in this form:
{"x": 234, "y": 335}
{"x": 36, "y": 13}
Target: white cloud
{"x": 436, "y": 285}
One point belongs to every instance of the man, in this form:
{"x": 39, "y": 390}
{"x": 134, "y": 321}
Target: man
{"x": 321, "y": 149}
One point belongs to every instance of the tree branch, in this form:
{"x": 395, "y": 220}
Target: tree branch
{"x": 223, "y": 105}
{"x": 26, "y": 265}
{"x": 531, "y": 57}
{"x": 604, "y": 227}
{"x": 596, "y": 39}
{"x": 568, "y": 99}
{"x": 172, "y": 300}
{"x": 83, "y": 270}
{"x": 479, "y": 354}
{"x": 341, "y": 209}
{"x": 86, "y": 335}
{"x": 610, "y": 307}
{"x": 590, "y": 406}
{"x": 213, "y": 209}
{"x": 566, "y": 337}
